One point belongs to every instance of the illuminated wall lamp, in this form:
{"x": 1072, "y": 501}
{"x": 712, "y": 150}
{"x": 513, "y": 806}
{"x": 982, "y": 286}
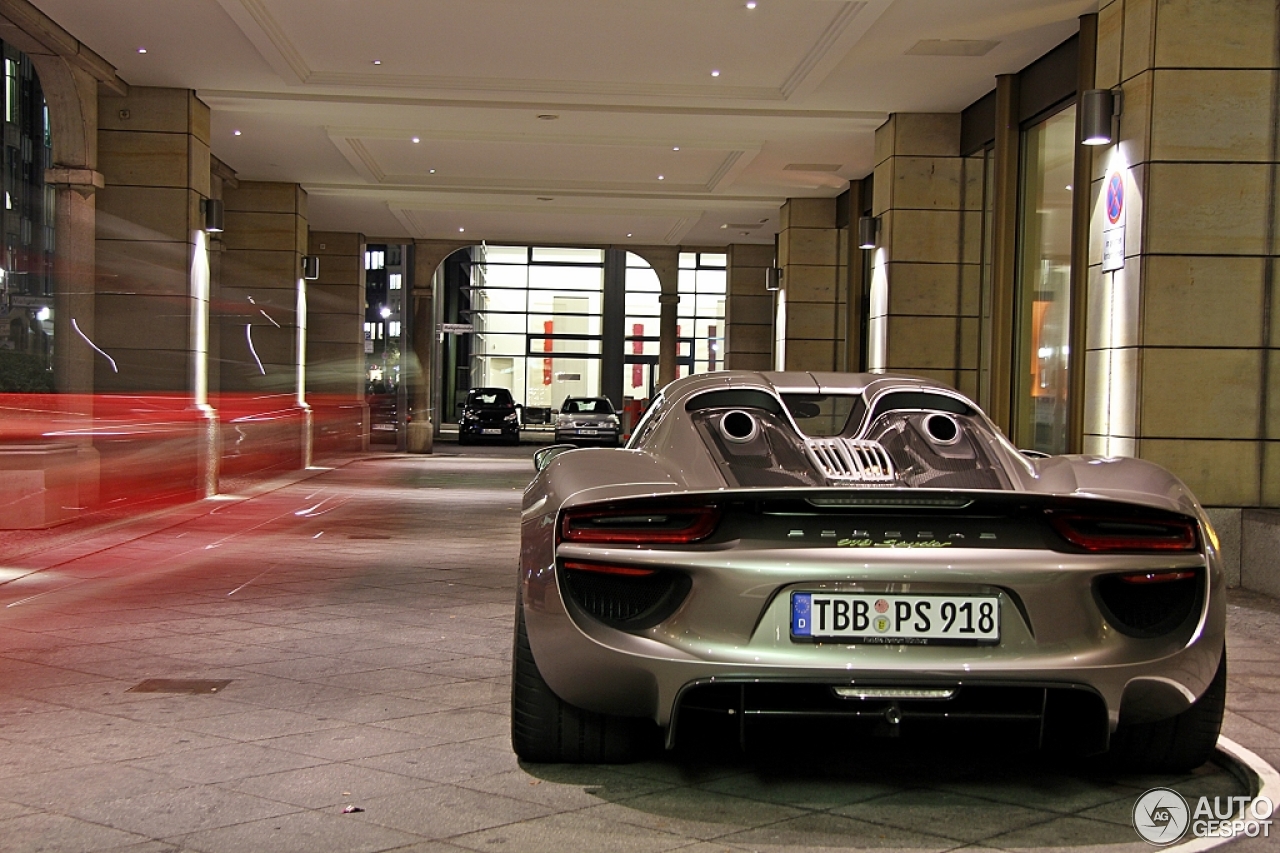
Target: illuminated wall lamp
{"x": 1098, "y": 111}
{"x": 310, "y": 267}
{"x": 868, "y": 227}
{"x": 212, "y": 210}
{"x": 772, "y": 279}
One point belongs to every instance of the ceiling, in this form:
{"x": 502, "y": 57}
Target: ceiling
{"x": 563, "y": 121}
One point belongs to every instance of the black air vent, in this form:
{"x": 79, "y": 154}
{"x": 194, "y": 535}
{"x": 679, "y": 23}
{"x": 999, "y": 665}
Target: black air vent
{"x": 1149, "y": 609}
{"x": 629, "y": 602}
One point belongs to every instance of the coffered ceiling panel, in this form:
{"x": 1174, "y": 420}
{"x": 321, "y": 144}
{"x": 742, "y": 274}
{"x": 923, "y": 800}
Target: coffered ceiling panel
{"x": 577, "y": 101}
{"x": 537, "y": 165}
{"x": 709, "y": 48}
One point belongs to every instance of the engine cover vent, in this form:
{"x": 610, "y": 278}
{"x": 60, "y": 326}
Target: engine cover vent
{"x": 851, "y": 461}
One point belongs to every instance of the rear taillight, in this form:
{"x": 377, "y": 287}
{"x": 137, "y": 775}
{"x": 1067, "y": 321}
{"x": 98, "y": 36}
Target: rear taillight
{"x": 606, "y": 569}
{"x": 674, "y": 526}
{"x": 1117, "y": 533}
{"x": 1155, "y": 577}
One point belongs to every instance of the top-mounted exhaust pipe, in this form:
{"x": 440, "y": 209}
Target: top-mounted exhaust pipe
{"x": 739, "y": 427}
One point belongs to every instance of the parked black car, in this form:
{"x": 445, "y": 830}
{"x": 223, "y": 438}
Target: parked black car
{"x": 489, "y": 413}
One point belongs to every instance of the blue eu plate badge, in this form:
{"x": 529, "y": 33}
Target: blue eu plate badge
{"x": 801, "y": 608}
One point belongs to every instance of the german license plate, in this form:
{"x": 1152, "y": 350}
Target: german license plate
{"x": 588, "y": 432}
{"x": 491, "y": 432}
{"x": 895, "y": 619}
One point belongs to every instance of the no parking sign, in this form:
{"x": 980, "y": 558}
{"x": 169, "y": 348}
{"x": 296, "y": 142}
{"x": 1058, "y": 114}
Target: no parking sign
{"x": 1113, "y": 236}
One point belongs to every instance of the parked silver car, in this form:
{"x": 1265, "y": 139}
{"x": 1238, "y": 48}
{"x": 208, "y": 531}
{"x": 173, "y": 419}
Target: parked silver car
{"x": 867, "y": 549}
{"x": 587, "y": 420}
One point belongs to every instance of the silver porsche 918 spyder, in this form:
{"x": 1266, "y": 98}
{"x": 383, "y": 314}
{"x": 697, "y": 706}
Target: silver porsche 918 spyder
{"x": 865, "y": 549}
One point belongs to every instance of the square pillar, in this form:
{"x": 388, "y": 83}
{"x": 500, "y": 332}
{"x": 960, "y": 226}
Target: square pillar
{"x": 809, "y": 300}
{"x": 749, "y": 309}
{"x": 924, "y": 314}
{"x": 335, "y": 342}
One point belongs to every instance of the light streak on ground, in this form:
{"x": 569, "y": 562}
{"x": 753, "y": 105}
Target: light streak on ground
{"x": 252, "y": 579}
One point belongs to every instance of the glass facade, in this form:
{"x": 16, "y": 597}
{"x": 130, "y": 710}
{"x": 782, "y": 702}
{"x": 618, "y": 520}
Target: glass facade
{"x": 702, "y": 285}
{"x": 1043, "y": 309}
{"x": 536, "y": 316}
{"x": 26, "y": 265}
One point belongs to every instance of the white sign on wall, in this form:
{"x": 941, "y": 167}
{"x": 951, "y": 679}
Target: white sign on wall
{"x": 1113, "y": 249}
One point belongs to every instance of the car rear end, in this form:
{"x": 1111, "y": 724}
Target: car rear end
{"x": 1052, "y": 617}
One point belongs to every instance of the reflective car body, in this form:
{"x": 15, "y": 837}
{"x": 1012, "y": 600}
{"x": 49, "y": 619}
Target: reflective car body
{"x": 587, "y": 420}
{"x": 689, "y": 571}
{"x": 489, "y": 414}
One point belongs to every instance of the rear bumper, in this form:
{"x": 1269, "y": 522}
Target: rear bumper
{"x": 646, "y": 673}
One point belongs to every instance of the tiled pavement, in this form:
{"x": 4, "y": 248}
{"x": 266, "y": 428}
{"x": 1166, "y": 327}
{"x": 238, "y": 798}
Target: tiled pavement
{"x": 363, "y": 618}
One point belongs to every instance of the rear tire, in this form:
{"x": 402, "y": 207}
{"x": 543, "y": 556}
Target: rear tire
{"x": 1178, "y": 744}
{"x": 545, "y": 728}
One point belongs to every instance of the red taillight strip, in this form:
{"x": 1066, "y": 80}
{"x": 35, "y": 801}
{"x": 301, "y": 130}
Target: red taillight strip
{"x": 701, "y": 523}
{"x": 602, "y": 569}
{"x": 1180, "y": 534}
{"x": 1156, "y": 577}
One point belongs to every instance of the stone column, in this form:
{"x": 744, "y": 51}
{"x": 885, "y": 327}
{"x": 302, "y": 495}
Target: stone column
{"x": 153, "y": 149}
{"x": 335, "y": 343}
{"x": 749, "y": 309}
{"x": 71, "y": 93}
{"x": 926, "y": 278}
{"x": 152, "y": 282}
{"x": 809, "y": 255}
{"x": 261, "y": 322}
{"x": 1183, "y": 359}
{"x": 428, "y": 255}
{"x": 665, "y": 261}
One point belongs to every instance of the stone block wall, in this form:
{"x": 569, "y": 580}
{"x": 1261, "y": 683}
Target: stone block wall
{"x": 926, "y": 278}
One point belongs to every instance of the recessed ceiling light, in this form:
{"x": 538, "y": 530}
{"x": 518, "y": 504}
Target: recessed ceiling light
{"x": 662, "y": 177}
{"x": 676, "y": 148}
{"x": 548, "y": 117}
{"x": 460, "y": 230}
{"x": 715, "y": 73}
{"x": 628, "y": 234}
{"x": 235, "y": 133}
{"x": 377, "y": 62}
{"x": 416, "y": 140}
{"x": 751, "y": 4}
{"x": 433, "y": 171}
{"x": 1068, "y": 187}
{"x": 726, "y": 225}
{"x": 142, "y": 50}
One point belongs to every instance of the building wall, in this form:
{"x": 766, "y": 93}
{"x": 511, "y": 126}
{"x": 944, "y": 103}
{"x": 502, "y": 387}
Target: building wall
{"x": 1183, "y": 340}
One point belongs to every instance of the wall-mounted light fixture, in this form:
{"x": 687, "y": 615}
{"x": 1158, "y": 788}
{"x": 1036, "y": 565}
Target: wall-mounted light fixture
{"x": 310, "y": 267}
{"x": 772, "y": 279}
{"x": 1098, "y": 111}
{"x": 212, "y": 210}
{"x": 868, "y": 227}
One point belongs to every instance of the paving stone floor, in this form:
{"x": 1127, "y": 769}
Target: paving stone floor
{"x": 362, "y": 617}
